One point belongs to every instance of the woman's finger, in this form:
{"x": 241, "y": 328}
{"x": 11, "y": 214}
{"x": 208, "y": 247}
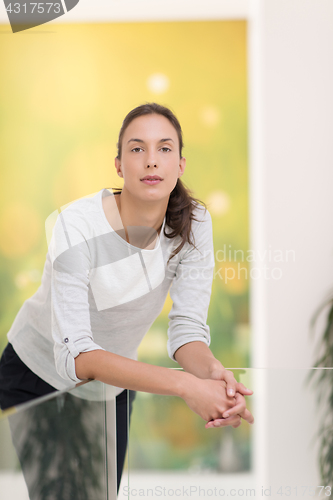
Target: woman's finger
{"x": 234, "y": 421}
{"x": 231, "y": 383}
{"x": 247, "y": 415}
{"x": 239, "y": 407}
{"x": 243, "y": 390}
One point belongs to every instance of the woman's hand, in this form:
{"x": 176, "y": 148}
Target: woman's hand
{"x": 221, "y": 373}
{"x": 208, "y": 399}
{"x": 238, "y": 410}
{"x": 235, "y": 390}
{"x": 197, "y": 359}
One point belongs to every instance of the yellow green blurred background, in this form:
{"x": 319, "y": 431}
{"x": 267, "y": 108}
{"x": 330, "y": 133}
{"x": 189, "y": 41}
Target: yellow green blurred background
{"x": 64, "y": 92}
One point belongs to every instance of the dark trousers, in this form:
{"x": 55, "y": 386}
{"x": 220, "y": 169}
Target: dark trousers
{"x": 18, "y": 384}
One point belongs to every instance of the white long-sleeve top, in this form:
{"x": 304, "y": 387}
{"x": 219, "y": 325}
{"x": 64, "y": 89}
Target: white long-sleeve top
{"x": 100, "y": 292}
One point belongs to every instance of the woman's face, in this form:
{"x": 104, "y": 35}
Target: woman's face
{"x": 150, "y": 163}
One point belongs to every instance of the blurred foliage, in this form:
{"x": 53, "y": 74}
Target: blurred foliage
{"x": 62, "y": 101}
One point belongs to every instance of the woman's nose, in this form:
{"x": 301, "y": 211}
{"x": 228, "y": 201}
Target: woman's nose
{"x": 151, "y": 158}
{"x": 151, "y": 161}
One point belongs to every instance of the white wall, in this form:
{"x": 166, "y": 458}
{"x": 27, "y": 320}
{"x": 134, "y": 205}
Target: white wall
{"x": 292, "y": 139}
{"x": 291, "y": 170}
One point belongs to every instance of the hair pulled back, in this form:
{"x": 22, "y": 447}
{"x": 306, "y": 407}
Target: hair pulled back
{"x": 179, "y": 214}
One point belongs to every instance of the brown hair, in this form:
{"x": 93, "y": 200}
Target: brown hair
{"x": 179, "y": 214}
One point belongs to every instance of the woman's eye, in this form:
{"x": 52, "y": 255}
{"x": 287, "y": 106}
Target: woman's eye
{"x": 165, "y": 149}
{"x": 136, "y": 150}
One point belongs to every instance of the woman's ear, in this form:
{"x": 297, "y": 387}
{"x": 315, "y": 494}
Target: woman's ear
{"x": 118, "y": 166}
{"x": 182, "y": 165}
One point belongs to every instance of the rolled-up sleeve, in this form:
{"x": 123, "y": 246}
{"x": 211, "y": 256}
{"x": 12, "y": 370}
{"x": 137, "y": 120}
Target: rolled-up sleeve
{"x": 70, "y": 316}
{"x": 191, "y": 289}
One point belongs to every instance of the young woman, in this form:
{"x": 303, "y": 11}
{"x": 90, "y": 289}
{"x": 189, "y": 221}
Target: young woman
{"x": 112, "y": 259}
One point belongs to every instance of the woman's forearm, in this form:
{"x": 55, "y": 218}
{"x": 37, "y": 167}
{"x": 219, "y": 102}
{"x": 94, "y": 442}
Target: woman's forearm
{"x": 123, "y": 372}
{"x": 198, "y": 359}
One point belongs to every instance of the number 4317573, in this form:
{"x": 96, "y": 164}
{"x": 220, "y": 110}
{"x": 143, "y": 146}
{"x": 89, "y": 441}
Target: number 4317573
{"x": 32, "y": 7}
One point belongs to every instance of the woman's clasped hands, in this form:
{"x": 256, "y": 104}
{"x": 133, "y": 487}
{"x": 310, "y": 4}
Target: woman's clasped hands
{"x": 219, "y": 400}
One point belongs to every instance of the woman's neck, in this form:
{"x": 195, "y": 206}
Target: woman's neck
{"x": 136, "y": 213}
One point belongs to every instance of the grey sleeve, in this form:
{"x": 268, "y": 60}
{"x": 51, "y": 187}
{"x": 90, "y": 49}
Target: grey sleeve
{"x": 191, "y": 290}
{"x": 70, "y": 316}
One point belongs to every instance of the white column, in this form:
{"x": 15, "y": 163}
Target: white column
{"x": 291, "y": 180}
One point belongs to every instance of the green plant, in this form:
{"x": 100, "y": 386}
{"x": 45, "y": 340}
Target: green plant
{"x": 324, "y": 384}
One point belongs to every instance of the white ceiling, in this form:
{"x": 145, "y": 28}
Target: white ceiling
{"x": 149, "y": 10}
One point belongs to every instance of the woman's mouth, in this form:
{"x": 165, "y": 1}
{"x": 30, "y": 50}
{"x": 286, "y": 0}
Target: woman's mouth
{"x": 151, "y": 179}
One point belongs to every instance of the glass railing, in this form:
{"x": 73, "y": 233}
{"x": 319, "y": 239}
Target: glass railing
{"x": 63, "y": 446}
{"x": 172, "y": 455}
{"x": 60, "y": 447}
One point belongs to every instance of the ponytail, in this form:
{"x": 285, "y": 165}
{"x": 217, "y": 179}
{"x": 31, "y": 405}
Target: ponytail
{"x": 179, "y": 215}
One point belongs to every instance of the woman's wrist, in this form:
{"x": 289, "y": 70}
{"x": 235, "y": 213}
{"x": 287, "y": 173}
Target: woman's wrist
{"x": 184, "y": 384}
{"x": 216, "y": 370}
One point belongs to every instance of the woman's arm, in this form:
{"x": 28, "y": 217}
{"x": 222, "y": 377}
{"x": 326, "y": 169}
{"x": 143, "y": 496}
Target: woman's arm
{"x": 207, "y": 398}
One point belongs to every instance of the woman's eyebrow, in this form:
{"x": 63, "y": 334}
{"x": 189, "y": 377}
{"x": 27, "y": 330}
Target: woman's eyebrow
{"x": 134, "y": 140}
{"x": 140, "y": 140}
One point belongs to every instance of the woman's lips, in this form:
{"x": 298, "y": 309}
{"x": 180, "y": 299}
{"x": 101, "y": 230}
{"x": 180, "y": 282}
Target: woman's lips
{"x": 151, "y": 182}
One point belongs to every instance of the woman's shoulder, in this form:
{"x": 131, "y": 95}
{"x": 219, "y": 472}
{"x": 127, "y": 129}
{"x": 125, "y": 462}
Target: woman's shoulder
{"x": 81, "y": 206}
{"x": 200, "y": 214}
{"x": 75, "y": 223}
{"x": 79, "y": 216}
